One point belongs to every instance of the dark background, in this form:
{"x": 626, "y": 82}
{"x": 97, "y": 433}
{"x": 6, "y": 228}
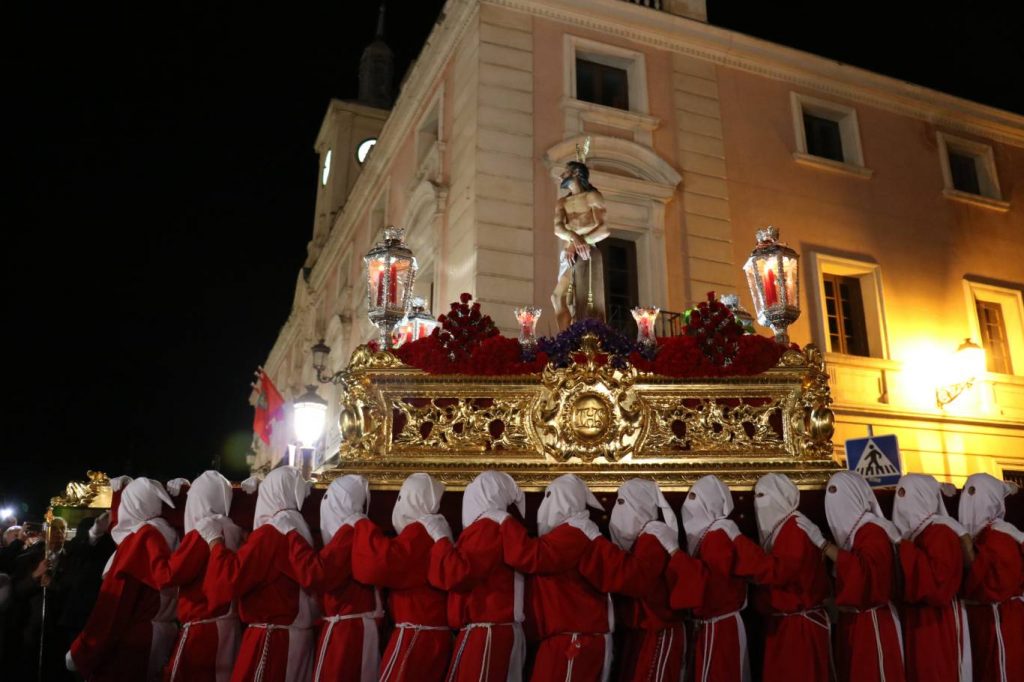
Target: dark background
{"x": 158, "y": 188}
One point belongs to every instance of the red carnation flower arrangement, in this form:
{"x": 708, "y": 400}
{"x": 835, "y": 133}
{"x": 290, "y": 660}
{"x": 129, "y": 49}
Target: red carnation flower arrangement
{"x": 716, "y": 330}
{"x": 463, "y": 329}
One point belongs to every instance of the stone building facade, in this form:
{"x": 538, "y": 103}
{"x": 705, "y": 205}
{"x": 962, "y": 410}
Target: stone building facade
{"x": 906, "y": 204}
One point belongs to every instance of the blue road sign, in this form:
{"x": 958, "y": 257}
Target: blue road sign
{"x": 876, "y": 458}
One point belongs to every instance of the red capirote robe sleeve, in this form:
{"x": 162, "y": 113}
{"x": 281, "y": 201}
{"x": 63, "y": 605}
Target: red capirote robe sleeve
{"x": 865, "y": 572}
{"x": 707, "y": 583}
{"x": 460, "y": 566}
{"x": 997, "y": 573}
{"x": 326, "y": 570}
{"x": 556, "y": 552}
{"x": 149, "y": 561}
{"x": 932, "y": 566}
{"x": 634, "y": 574}
{"x": 231, "y": 575}
{"x": 396, "y": 563}
{"x": 792, "y": 576}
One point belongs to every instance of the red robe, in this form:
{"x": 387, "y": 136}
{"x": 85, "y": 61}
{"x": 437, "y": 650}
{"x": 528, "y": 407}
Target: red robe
{"x": 481, "y": 590}
{"x": 707, "y": 584}
{"x": 995, "y": 609}
{"x": 933, "y": 626}
{"x": 655, "y": 642}
{"x": 348, "y": 645}
{"x": 118, "y": 641}
{"x": 277, "y": 645}
{"x": 421, "y": 642}
{"x": 567, "y": 613}
{"x": 869, "y": 645}
{"x": 792, "y": 586}
{"x": 208, "y": 641}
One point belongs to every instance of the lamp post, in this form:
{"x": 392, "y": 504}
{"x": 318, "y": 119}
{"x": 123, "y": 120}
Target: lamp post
{"x": 310, "y": 412}
{"x": 390, "y": 274}
{"x": 774, "y": 280}
{"x": 968, "y": 364}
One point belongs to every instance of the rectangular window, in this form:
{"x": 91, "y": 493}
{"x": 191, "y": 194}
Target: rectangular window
{"x": 602, "y": 84}
{"x": 844, "y": 308}
{"x": 620, "y": 283}
{"x": 964, "y": 172}
{"x": 824, "y": 138}
{"x": 993, "y": 337}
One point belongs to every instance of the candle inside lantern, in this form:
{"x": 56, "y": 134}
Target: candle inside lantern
{"x": 380, "y": 285}
{"x": 393, "y": 286}
{"x": 771, "y": 290}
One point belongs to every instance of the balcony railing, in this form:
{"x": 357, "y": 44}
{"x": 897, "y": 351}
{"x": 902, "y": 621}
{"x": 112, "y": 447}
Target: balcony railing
{"x": 653, "y": 4}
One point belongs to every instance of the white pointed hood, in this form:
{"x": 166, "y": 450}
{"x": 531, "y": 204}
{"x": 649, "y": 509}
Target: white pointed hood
{"x": 776, "y": 499}
{"x": 279, "y": 499}
{"x": 918, "y": 504}
{"x": 346, "y": 501}
{"x": 491, "y": 491}
{"x": 636, "y": 504}
{"x": 142, "y": 503}
{"x": 566, "y": 499}
{"x": 983, "y": 504}
{"x": 420, "y": 496}
{"x": 849, "y": 504}
{"x": 208, "y": 496}
{"x": 706, "y": 508}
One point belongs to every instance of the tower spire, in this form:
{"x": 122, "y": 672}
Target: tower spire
{"x": 377, "y": 69}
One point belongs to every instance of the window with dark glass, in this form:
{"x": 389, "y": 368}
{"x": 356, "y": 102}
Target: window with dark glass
{"x": 844, "y": 307}
{"x": 993, "y": 337}
{"x": 602, "y": 84}
{"x": 964, "y": 170}
{"x": 620, "y": 283}
{"x": 823, "y": 137}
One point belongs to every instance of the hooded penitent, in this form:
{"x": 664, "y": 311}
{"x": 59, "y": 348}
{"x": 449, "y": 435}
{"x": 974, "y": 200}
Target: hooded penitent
{"x": 706, "y": 508}
{"x": 849, "y": 504}
{"x": 420, "y": 496}
{"x": 918, "y": 504}
{"x": 346, "y": 501}
{"x": 775, "y": 501}
{"x": 142, "y": 503}
{"x": 565, "y": 500}
{"x": 209, "y": 496}
{"x": 983, "y": 504}
{"x": 637, "y": 504}
{"x": 279, "y": 500}
{"x": 491, "y": 491}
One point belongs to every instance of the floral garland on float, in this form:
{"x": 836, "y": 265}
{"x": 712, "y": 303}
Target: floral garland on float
{"x": 715, "y": 344}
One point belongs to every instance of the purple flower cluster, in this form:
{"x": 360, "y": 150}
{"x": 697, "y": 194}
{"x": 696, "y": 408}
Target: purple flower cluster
{"x": 561, "y": 348}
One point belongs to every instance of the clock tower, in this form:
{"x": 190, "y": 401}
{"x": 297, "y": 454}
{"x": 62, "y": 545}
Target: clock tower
{"x": 347, "y": 135}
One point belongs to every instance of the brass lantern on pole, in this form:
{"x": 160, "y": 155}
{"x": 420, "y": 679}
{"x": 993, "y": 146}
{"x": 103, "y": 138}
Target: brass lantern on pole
{"x": 390, "y": 275}
{"x": 774, "y": 280}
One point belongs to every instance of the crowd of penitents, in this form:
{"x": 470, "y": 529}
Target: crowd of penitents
{"x": 922, "y": 596}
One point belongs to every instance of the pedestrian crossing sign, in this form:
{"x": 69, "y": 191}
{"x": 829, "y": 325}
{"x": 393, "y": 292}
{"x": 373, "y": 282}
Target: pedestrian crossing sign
{"x": 876, "y": 458}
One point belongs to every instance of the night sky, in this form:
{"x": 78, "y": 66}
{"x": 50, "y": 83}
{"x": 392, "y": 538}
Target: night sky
{"x": 159, "y": 188}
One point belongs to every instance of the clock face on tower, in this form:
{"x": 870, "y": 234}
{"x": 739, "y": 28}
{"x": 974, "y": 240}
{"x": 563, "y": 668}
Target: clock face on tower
{"x": 364, "y": 148}
{"x": 326, "y": 172}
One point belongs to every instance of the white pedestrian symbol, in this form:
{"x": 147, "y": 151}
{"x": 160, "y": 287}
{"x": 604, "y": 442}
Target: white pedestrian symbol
{"x": 874, "y": 464}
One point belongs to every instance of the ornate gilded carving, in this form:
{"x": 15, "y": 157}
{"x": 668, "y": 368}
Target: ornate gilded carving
{"x": 93, "y": 493}
{"x": 606, "y": 424}
{"x": 588, "y": 411}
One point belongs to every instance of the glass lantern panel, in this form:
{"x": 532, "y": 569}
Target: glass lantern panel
{"x": 791, "y": 269}
{"x": 375, "y": 270}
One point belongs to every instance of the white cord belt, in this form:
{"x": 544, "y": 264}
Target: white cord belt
{"x": 185, "y": 627}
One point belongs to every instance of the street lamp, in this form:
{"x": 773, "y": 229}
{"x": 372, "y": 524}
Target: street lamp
{"x": 774, "y": 280}
{"x": 310, "y": 416}
{"x": 390, "y": 274}
{"x": 968, "y": 364}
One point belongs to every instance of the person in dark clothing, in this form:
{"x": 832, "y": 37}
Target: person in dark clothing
{"x": 86, "y": 555}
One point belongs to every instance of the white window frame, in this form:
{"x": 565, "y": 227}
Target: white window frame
{"x": 985, "y": 164}
{"x": 870, "y": 276}
{"x": 634, "y": 63}
{"x": 425, "y": 152}
{"x": 849, "y": 132}
{"x": 1012, "y": 302}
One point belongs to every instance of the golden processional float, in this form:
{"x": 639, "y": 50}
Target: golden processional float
{"x": 717, "y": 399}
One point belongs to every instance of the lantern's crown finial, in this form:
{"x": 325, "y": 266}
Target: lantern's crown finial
{"x": 767, "y": 234}
{"x": 394, "y": 234}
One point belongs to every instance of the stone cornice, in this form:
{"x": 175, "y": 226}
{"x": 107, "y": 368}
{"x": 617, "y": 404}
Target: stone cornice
{"x": 739, "y": 51}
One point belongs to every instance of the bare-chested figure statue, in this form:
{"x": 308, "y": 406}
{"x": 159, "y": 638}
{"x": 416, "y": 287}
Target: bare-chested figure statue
{"x": 579, "y": 220}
